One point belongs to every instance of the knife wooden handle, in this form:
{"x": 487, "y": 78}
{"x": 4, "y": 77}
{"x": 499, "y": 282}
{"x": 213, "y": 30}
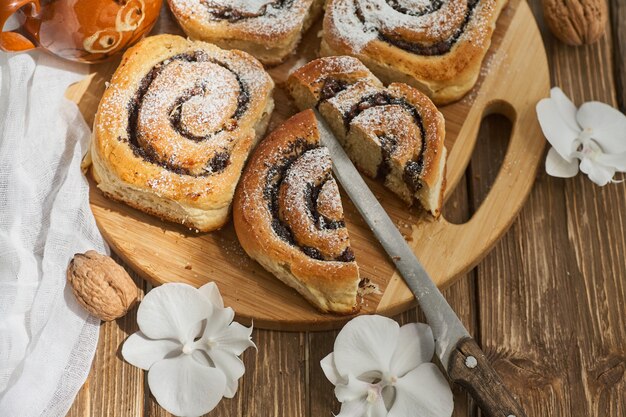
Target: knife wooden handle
{"x": 469, "y": 368}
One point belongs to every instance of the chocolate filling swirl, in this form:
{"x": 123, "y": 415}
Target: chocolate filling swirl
{"x": 311, "y": 193}
{"x": 438, "y": 48}
{"x": 413, "y": 168}
{"x": 220, "y": 157}
{"x": 429, "y": 8}
{"x": 234, "y": 14}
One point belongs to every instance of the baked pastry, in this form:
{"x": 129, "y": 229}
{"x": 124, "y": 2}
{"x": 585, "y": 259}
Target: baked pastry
{"x": 175, "y": 127}
{"x": 436, "y": 46}
{"x": 288, "y": 216}
{"x": 395, "y": 134}
{"x": 268, "y": 29}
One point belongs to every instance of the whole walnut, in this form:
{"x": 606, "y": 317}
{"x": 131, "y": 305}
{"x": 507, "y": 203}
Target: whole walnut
{"x": 101, "y": 286}
{"x": 576, "y": 22}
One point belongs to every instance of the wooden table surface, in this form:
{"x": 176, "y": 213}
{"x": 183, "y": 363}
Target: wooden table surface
{"x": 548, "y": 305}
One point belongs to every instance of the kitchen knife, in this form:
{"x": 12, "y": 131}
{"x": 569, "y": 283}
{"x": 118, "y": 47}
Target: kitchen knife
{"x": 458, "y": 352}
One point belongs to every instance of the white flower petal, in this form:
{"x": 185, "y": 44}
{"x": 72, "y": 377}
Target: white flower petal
{"x": 607, "y": 124}
{"x": 416, "y": 345}
{"x": 596, "y": 172}
{"x": 558, "y": 125}
{"x": 617, "y": 161}
{"x": 232, "y": 367}
{"x": 566, "y": 108}
{"x": 231, "y": 388}
{"x": 202, "y": 357}
{"x": 211, "y": 292}
{"x": 142, "y": 352}
{"x": 171, "y": 311}
{"x": 361, "y": 407}
{"x": 235, "y": 338}
{"x": 378, "y": 409}
{"x": 329, "y": 369}
{"x": 354, "y": 389}
{"x": 219, "y": 320}
{"x": 389, "y": 394}
{"x": 423, "y": 392}
{"x": 559, "y": 167}
{"x": 184, "y": 387}
{"x": 366, "y": 344}
{"x": 356, "y": 408}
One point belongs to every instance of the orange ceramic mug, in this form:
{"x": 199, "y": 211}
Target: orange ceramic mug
{"x": 78, "y": 30}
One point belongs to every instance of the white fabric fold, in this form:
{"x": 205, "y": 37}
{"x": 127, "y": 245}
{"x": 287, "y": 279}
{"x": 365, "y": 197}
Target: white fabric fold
{"x": 47, "y": 340}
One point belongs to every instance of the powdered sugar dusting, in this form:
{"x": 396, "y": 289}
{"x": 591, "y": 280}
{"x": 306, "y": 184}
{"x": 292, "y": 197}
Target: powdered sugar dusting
{"x": 212, "y": 91}
{"x": 260, "y": 17}
{"x": 329, "y": 201}
{"x": 359, "y": 22}
{"x": 244, "y": 6}
{"x": 187, "y": 110}
{"x": 351, "y": 96}
{"x": 312, "y": 168}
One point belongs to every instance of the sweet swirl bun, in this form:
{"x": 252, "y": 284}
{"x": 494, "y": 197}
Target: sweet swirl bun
{"x": 395, "y": 134}
{"x": 437, "y": 45}
{"x": 175, "y": 127}
{"x": 268, "y": 29}
{"x": 288, "y": 216}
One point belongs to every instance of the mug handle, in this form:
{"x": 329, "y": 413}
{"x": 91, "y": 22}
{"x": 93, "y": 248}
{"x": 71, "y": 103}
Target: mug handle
{"x": 13, "y": 41}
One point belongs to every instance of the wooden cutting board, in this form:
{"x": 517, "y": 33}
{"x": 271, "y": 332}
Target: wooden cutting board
{"x": 513, "y": 78}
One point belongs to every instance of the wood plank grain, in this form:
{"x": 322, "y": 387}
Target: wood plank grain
{"x": 618, "y": 20}
{"x": 275, "y": 383}
{"x": 320, "y": 393}
{"x": 552, "y": 292}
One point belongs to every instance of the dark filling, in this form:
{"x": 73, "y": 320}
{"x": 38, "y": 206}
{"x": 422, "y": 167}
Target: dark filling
{"x": 219, "y": 162}
{"x": 347, "y": 255}
{"x": 388, "y": 145}
{"x": 273, "y": 180}
{"x": 312, "y": 253}
{"x": 438, "y": 48}
{"x": 430, "y": 8}
{"x": 413, "y": 169}
{"x": 331, "y": 88}
{"x": 233, "y": 14}
{"x": 221, "y": 159}
{"x": 274, "y": 177}
{"x": 412, "y": 173}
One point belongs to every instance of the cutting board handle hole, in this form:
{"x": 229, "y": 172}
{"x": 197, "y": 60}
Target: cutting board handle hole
{"x": 491, "y": 147}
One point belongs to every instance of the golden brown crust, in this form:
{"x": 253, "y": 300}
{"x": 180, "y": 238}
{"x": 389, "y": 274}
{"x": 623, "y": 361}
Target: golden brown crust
{"x": 270, "y": 32}
{"x": 153, "y": 166}
{"x": 329, "y": 284}
{"x": 363, "y": 115}
{"x": 444, "y": 76}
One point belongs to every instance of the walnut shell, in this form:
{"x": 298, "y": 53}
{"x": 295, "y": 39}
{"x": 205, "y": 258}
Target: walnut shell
{"x": 576, "y": 22}
{"x": 101, "y": 286}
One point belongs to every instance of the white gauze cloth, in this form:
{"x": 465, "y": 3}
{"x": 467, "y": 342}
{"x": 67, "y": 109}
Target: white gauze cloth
{"x": 47, "y": 341}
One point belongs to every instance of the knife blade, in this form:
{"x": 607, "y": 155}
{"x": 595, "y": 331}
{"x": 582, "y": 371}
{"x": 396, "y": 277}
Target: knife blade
{"x": 459, "y": 354}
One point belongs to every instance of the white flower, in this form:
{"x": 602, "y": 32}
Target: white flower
{"x": 595, "y": 134}
{"x": 190, "y": 347}
{"x": 381, "y": 369}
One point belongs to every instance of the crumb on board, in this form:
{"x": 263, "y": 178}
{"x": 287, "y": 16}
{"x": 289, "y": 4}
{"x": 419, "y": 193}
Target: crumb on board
{"x": 366, "y": 286}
